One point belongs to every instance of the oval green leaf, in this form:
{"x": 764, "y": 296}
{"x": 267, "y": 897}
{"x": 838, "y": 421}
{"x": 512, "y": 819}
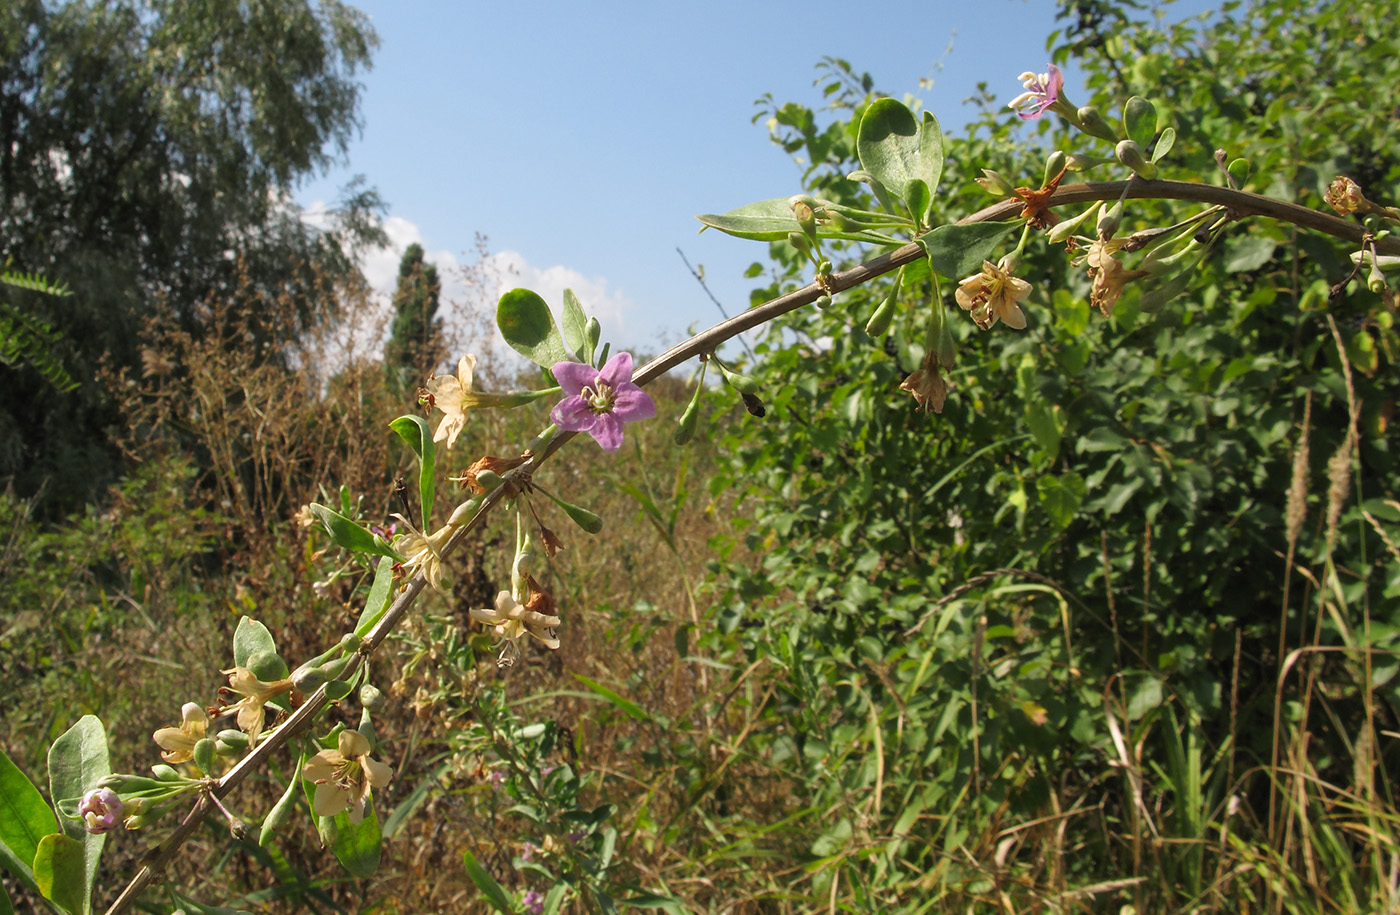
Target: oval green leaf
{"x": 414, "y": 430}
{"x": 888, "y": 145}
{"x": 957, "y": 251}
{"x": 25, "y": 818}
{"x": 351, "y": 536}
{"x": 1140, "y": 120}
{"x": 528, "y": 326}
{"x": 486, "y": 883}
{"x": 58, "y": 869}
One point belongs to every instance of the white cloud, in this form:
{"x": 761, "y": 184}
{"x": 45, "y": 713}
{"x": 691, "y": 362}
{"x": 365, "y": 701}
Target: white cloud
{"x": 471, "y": 289}
{"x": 598, "y": 300}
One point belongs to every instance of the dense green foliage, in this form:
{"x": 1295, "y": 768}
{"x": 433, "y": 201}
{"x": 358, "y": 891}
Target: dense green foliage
{"x": 1101, "y": 508}
{"x": 146, "y": 152}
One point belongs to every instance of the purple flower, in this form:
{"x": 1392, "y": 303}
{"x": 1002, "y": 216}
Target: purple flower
{"x": 101, "y": 810}
{"x": 1042, "y": 91}
{"x": 534, "y": 901}
{"x": 600, "y": 400}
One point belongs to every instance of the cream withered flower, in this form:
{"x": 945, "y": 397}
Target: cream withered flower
{"x": 993, "y": 294}
{"x": 423, "y": 553}
{"x": 253, "y": 698}
{"x": 513, "y": 620}
{"x": 927, "y": 385}
{"x": 345, "y": 776}
{"x": 453, "y": 395}
{"x": 178, "y": 742}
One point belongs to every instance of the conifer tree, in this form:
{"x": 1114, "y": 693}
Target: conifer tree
{"x": 415, "y": 345}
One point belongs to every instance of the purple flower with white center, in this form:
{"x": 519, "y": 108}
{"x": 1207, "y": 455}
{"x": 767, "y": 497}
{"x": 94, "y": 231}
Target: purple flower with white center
{"x": 599, "y": 401}
{"x": 101, "y": 810}
{"x": 534, "y": 901}
{"x": 1042, "y": 91}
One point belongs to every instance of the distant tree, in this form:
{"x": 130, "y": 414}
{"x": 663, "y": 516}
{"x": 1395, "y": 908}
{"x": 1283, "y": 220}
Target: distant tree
{"x": 148, "y": 149}
{"x": 415, "y": 345}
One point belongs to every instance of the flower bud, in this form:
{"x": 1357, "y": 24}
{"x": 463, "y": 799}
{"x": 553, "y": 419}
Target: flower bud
{"x": 1130, "y": 154}
{"x": 1375, "y": 280}
{"x": 993, "y": 183}
{"x": 488, "y": 480}
{"x": 823, "y": 301}
{"x": 1082, "y": 163}
{"x": 127, "y": 784}
{"x": 754, "y": 405}
{"x": 100, "y": 810}
{"x": 1063, "y": 230}
{"x": 744, "y": 384}
{"x": 371, "y": 698}
{"x": 308, "y": 679}
{"x": 883, "y": 314}
{"x": 230, "y": 742}
{"x": 464, "y": 512}
{"x": 687, "y": 424}
{"x": 337, "y": 690}
{"x": 1094, "y": 124}
{"x": 1054, "y": 165}
{"x": 166, "y": 773}
{"x": 800, "y": 242}
{"x": 592, "y": 332}
{"x": 1238, "y": 169}
{"x": 204, "y": 755}
{"x": 1109, "y": 220}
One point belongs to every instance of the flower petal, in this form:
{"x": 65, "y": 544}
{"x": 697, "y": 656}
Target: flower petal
{"x": 617, "y": 371}
{"x": 607, "y": 431}
{"x": 377, "y": 774}
{"x": 322, "y": 766}
{"x": 352, "y": 744}
{"x": 330, "y": 799}
{"x": 632, "y": 404}
{"x": 573, "y": 377}
{"x": 572, "y": 414}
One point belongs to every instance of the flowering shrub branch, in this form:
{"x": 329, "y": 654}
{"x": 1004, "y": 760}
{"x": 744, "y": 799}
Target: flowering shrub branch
{"x": 902, "y": 161}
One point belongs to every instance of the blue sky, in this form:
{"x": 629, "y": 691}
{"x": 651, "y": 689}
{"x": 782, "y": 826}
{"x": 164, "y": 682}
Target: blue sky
{"x": 582, "y": 138}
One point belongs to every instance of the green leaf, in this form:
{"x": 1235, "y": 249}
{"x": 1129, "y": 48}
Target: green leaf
{"x": 772, "y": 220}
{"x": 486, "y": 883}
{"x": 889, "y": 147}
{"x": 415, "y": 431}
{"x": 252, "y": 639}
{"x": 1060, "y": 496}
{"x": 527, "y": 325}
{"x": 765, "y": 220}
{"x": 1164, "y": 144}
{"x": 958, "y": 251}
{"x": 1045, "y": 423}
{"x": 1140, "y": 120}
{"x": 7, "y": 907}
{"x": 192, "y": 906}
{"x": 77, "y": 762}
{"x": 632, "y": 709}
{"x": 282, "y": 810}
{"x": 575, "y": 325}
{"x": 379, "y": 594}
{"x": 930, "y": 152}
{"x": 59, "y": 869}
{"x": 25, "y": 819}
{"x": 1145, "y": 698}
{"x": 355, "y": 845}
{"x": 1248, "y": 252}
{"x": 351, "y": 536}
